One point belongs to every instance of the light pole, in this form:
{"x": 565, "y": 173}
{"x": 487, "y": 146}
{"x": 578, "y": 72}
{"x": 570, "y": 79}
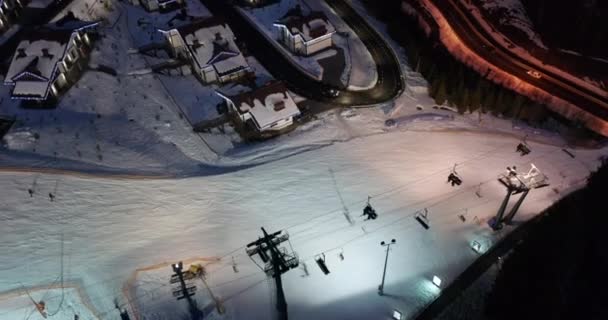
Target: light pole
{"x": 388, "y": 247}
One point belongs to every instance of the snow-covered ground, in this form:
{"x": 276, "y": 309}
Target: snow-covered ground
{"x": 360, "y": 71}
{"x": 112, "y": 227}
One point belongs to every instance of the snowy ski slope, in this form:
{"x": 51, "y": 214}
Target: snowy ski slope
{"x": 112, "y": 227}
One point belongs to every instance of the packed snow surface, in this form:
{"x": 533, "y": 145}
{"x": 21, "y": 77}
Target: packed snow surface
{"x": 111, "y": 227}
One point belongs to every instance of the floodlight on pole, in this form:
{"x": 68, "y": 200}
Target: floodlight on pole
{"x": 397, "y": 315}
{"x": 437, "y": 281}
{"x": 476, "y": 246}
{"x": 388, "y": 247}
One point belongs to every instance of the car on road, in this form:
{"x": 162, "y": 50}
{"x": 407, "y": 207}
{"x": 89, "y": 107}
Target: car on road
{"x": 331, "y": 92}
{"x": 534, "y": 74}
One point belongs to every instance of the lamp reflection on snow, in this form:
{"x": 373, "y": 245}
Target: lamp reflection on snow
{"x": 437, "y": 281}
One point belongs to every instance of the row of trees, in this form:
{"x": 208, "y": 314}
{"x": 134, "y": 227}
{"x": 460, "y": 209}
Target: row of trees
{"x": 451, "y": 82}
{"x": 464, "y": 89}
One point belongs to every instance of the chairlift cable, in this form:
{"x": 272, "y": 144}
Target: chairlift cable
{"x": 391, "y": 224}
{"x": 62, "y": 284}
{"x": 381, "y": 195}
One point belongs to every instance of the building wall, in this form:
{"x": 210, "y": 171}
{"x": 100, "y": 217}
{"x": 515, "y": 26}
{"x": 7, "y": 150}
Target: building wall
{"x": 3, "y": 23}
{"x": 281, "y": 124}
{"x": 150, "y": 5}
{"x": 208, "y": 74}
{"x": 297, "y": 45}
{"x": 318, "y": 45}
{"x": 78, "y": 50}
{"x": 232, "y": 76}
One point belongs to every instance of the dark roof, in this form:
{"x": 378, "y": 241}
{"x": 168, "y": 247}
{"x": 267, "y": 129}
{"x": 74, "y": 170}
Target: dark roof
{"x": 260, "y": 93}
{"x": 200, "y": 23}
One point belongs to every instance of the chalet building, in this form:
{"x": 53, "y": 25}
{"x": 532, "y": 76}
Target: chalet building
{"x": 305, "y": 34}
{"x": 268, "y": 108}
{"x": 208, "y": 46}
{"x": 50, "y": 58}
{"x": 163, "y": 5}
{"x": 9, "y": 11}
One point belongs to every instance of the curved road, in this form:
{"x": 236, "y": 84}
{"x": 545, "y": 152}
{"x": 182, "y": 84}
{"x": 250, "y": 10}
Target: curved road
{"x": 474, "y": 36}
{"x": 390, "y": 80}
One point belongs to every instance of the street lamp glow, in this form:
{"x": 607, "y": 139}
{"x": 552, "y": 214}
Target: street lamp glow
{"x": 397, "y": 315}
{"x": 437, "y": 281}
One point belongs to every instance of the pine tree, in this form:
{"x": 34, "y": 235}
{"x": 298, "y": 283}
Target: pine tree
{"x": 516, "y": 106}
{"x": 475, "y": 99}
{"x": 499, "y": 102}
{"x": 489, "y": 99}
{"x": 441, "y": 94}
{"x": 464, "y": 104}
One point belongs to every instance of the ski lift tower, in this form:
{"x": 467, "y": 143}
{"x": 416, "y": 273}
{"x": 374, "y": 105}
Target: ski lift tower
{"x": 516, "y": 183}
{"x": 277, "y": 263}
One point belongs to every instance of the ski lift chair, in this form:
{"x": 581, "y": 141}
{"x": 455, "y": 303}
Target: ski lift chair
{"x": 454, "y": 178}
{"x": 523, "y": 148}
{"x": 421, "y": 217}
{"x": 320, "y": 259}
{"x": 369, "y": 212}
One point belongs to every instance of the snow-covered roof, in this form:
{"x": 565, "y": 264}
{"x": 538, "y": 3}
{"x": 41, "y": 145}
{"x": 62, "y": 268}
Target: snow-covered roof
{"x": 33, "y": 65}
{"x": 310, "y": 26}
{"x": 267, "y": 104}
{"x": 211, "y": 42}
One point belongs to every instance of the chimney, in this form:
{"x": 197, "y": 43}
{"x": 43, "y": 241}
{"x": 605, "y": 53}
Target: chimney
{"x": 279, "y": 105}
{"x": 46, "y": 54}
{"x": 21, "y": 53}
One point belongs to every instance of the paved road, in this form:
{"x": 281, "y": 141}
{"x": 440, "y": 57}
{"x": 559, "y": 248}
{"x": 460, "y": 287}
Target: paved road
{"x": 477, "y": 39}
{"x": 390, "y": 81}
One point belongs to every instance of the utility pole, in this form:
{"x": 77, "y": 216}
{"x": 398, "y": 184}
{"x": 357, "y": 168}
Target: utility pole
{"x": 278, "y": 263}
{"x": 185, "y": 291}
{"x": 388, "y": 248}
